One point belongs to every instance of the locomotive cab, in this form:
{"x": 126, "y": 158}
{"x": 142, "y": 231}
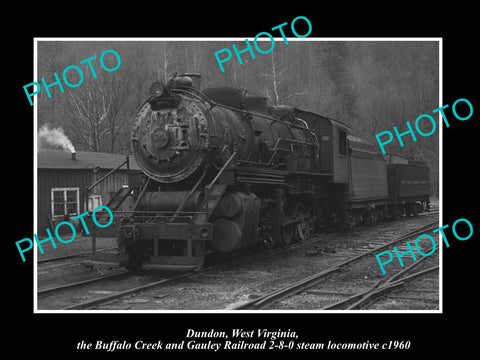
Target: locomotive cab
{"x": 333, "y": 145}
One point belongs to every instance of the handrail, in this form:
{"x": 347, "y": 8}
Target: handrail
{"x": 213, "y": 103}
{"x": 277, "y": 148}
{"x": 209, "y": 186}
{"x": 274, "y": 120}
{"x": 141, "y": 194}
{"x": 88, "y": 189}
{"x": 189, "y": 195}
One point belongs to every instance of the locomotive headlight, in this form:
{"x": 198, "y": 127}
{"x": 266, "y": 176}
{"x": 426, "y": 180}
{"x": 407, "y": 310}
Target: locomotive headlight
{"x": 157, "y": 89}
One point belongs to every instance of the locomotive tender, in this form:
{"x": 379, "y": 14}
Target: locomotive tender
{"x": 223, "y": 171}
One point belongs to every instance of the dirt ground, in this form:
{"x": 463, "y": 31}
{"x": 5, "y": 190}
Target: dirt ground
{"x": 232, "y": 282}
{"x": 79, "y": 245}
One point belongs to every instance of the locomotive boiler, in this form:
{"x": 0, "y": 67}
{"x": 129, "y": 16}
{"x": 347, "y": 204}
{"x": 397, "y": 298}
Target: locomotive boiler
{"x": 213, "y": 161}
{"x": 224, "y": 170}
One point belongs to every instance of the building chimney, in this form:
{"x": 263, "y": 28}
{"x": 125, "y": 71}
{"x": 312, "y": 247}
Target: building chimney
{"x": 74, "y": 156}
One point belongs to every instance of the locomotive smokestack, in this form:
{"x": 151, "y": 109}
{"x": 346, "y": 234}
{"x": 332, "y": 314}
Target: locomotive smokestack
{"x": 74, "y": 155}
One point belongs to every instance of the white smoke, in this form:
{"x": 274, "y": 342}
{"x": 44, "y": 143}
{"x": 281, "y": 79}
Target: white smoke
{"x": 53, "y": 138}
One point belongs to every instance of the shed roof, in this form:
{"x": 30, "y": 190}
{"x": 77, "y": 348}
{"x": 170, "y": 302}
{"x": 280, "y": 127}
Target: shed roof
{"x": 61, "y": 159}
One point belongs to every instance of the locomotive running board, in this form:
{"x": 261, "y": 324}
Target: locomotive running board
{"x": 170, "y": 263}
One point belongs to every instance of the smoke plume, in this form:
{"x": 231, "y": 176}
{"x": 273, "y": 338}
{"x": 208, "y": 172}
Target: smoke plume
{"x": 53, "y": 138}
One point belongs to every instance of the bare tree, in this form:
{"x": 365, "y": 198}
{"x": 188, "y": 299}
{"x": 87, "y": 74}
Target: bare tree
{"x": 371, "y": 86}
{"x": 277, "y": 73}
{"x": 86, "y": 112}
{"x": 91, "y": 111}
{"x": 277, "y": 76}
{"x": 165, "y": 62}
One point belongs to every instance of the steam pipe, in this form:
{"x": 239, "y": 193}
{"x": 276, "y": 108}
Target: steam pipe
{"x": 182, "y": 205}
{"x": 141, "y": 194}
{"x": 107, "y": 175}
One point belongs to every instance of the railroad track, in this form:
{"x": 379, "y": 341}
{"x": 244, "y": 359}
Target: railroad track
{"x": 383, "y": 288}
{"x": 98, "y": 301}
{"x": 69, "y": 256}
{"x": 267, "y": 300}
{"x": 54, "y": 268}
{"x": 93, "y": 303}
{"x": 56, "y": 289}
{"x": 84, "y": 295}
{"x": 118, "y": 285}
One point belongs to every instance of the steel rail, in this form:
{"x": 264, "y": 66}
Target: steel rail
{"x": 267, "y": 300}
{"x": 378, "y": 288}
{"x": 99, "y": 301}
{"x": 109, "y": 298}
{"x": 390, "y": 286}
{"x": 58, "y": 258}
{"x": 51, "y": 290}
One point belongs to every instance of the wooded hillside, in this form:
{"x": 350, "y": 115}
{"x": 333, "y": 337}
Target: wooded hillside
{"x": 369, "y": 85}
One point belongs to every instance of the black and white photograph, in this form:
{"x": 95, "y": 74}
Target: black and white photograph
{"x": 282, "y": 187}
{"x": 171, "y": 185}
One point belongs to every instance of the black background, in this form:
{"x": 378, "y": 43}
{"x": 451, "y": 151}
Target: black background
{"x": 430, "y": 334}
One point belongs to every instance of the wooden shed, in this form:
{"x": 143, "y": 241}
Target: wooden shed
{"x": 63, "y": 179}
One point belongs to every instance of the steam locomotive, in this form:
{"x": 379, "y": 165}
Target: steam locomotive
{"x": 223, "y": 171}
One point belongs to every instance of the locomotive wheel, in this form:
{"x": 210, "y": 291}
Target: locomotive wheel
{"x": 288, "y": 234}
{"x": 415, "y": 209}
{"x": 266, "y": 230}
{"x": 199, "y": 252}
{"x": 397, "y": 213}
{"x": 303, "y": 228}
{"x": 267, "y": 242}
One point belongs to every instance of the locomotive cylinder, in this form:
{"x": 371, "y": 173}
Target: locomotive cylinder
{"x": 236, "y": 222}
{"x": 229, "y": 206}
{"x": 228, "y": 235}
